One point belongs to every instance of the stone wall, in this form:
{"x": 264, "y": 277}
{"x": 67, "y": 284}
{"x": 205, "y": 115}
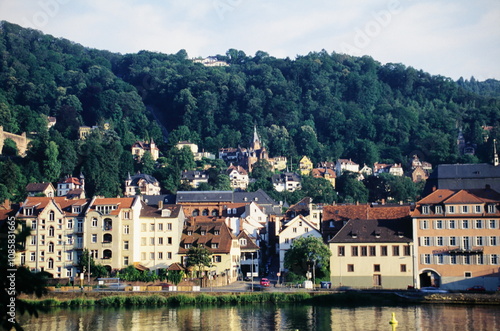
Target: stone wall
{"x": 20, "y": 140}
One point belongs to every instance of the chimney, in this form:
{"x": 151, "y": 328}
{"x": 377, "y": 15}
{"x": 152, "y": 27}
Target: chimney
{"x": 160, "y": 204}
{"x": 433, "y": 188}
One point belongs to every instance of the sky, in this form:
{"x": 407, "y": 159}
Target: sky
{"x": 452, "y": 38}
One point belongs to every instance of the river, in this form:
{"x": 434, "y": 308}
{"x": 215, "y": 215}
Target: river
{"x": 270, "y": 317}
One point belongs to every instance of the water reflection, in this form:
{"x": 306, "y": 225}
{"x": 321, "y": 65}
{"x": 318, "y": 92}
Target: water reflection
{"x": 270, "y": 317}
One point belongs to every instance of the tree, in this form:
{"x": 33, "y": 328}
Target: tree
{"x": 351, "y": 189}
{"x": 51, "y": 164}
{"x": 200, "y": 258}
{"x": 307, "y": 253}
{"x": 9, "y": 147}
{"x": 319, "y": 189}
{"x": 175, "y": 276}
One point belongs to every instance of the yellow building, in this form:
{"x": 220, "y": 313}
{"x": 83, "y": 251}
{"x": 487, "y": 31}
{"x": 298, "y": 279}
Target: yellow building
{"x": 305, "y": 166}
{"x": 373, "y": 254}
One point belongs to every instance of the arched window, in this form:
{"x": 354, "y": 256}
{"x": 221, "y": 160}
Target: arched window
{"x": 52, "y": 215}
{"x": 107, "y": 238}
{"x": 196, "y": 212}
{"x": 51, "y": 247}
{"x": 51, "y": 231}
{"x": 108, "y": 224}
{"x": 215, "y": 212}
{"x": 205, "y": 212}
{"x": 107, "y": 254}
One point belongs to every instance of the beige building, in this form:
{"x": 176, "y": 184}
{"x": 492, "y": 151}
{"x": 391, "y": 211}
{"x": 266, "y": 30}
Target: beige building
{"x": 238, "y": 177}
{"x": 56, "y": 240}
{"x": 111, "y": 233}
{"x": 160, "y": 235}
{"x": 372, "y": 253}
{"x": 458, "y": 239}
{"x": 141, "y": 147}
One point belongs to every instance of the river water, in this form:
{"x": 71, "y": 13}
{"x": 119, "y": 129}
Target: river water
{"x": 270, "y": 317}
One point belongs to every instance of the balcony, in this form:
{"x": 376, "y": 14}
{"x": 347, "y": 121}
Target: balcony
{"x": 466, "y": 251}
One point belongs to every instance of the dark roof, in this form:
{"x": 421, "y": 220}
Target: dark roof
{"x": 37, "y": 187}
{"x": 137, "y": 177}
{"x": 194, "y": 174}
{"x": 251, "y": 245}
{"x": 154, "y": 211}
{"x": 151, "y": 200}
{"x": 286, "y": 177}
{"x": 375, "y": 231}
{"x": 261, "y": 198}
{"x": 204, "y": 196}
{"x": 482, "y": 170}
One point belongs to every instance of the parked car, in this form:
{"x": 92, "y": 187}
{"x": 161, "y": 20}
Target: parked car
{"x": 432, "y": 289}
{"x": 476, "y": 288}
{"x": 265, "y": 282}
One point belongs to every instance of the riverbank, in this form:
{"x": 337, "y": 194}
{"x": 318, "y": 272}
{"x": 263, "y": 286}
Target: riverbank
{"x": 118, "y": 299}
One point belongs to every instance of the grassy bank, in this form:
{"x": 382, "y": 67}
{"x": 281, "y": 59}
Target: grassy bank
{"x": 172, "y": 300}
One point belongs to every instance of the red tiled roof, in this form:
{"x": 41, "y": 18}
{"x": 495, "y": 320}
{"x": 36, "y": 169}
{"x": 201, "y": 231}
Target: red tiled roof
{"x": 365, "y": 211}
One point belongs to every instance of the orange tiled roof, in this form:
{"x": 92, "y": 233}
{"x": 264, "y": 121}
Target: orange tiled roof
{"x": 224, "y": 238}
{"x": 365, "y": 211}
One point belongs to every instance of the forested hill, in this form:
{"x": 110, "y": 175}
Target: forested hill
{"x": 322, "y": 105}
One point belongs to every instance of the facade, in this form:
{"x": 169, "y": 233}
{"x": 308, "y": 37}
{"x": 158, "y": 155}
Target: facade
{"x": 57, "y": 237}
{"x": 394, "y": 169}
{"x": 345, "y": 165}
{"x": 373, "y": 253}
{"x": 141, "y": 147}
{"x": 160, "y": 235}
{"x": 326, "y": 173}
{"x": 287, "y": 181}
{"x": 305, "y": 166}
{"x": 294, "y": 229}
{"x": 194, "y": 177}
{"x": 111, "y": 231}
{"x": 238, "y": 177}
{"x": 457, "y": 239}
{"x": 46, "y": 189}
{"x": 215, "y": 236}
{"x": 143, "y": 184}
{"x": 72, "y": 187}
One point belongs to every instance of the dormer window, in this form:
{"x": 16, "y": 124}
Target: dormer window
{"x": 465, "y": 209}
{"x": 215, "y": 245}
{"x": 190, "y": 233}
{"x": 203, "y": 232}
{"x": 439, "y": 209}
{"x": 377, "y": 234}
{"x": 187, "y": 245}
{"x": 451, "y": 209}
{"x": 28, "y": 211}
{"x": 243, "y": 242}
{"x": 491, "y": 208}
{"x": 77, "y": 209}
{"x": 354, "y": 235}
{"x": 425, "y": 210}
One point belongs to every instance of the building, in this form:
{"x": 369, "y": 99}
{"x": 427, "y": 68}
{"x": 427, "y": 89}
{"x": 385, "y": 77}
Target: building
{"x": 345, "y": 165}
{"x": 160, "y": 235}
{"x": 214, "y": 235}
{"x": 287, "y": 181}
{"x": 111, "y": 231}
{"x": 141, "y": 184}
{"x": 457, "y": 239}
{"x": 40, "y": 189}
{"x": 292, "y": 230}
{"x": 238, "y": 177}
{"x": 72, "y": 187}
{"x": 373, "y": 253}
{"x": 326, "y": 173}
{"x": 393, "y": 169}
{"x": 57, "y": 235}
{"x": 305, "y": 166}
{"x": 194, "y": 177}
{"x": 141, "y": 147}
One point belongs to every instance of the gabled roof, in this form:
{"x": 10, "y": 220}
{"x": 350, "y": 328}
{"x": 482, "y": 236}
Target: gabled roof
{"x": 251, "y": 245}
{"x": 461, "y": 196}
{"x": 437, "y": 196}
{"x": 121, "y": 203}
{"x": 375, "y": 231}
{"x": 320, "y": 172}
{"x": 299, "y": 218}
{"x": 209, "y": 225}
{"x": 154, "y": 211}
{"x": 38, "y": 187}
{"x": 138, "y": 177}
{"x": 62, "y": 203}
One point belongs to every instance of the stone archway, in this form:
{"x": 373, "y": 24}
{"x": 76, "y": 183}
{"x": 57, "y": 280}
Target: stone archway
{"x": 429, "y": 277}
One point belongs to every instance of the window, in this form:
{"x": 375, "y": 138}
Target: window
{"x": 187, "y": 245}
{"x": 439, "y": 258}
{"x": 479, "y": 241}
{"x": 94, "y": 238}
{"x": 402, "y": 267}
{"x": 169, "y": 226}
{"x": 160, "y": 255}
{"x": 287, "y": 240}
{"x": 424, "y": 225}
{"x": 479, "y": 224}
{"x": 126, "y": 229}
{"x": 395, "y": 250}
{"x": 425, "y": 210}
{"x": 453, "y": 241}
{"x": 294, "y": 230}
{"x": 152, "y": 241}
{"x": 354, "y": 251}
{"x": 143, "y": 227}
{"x": 306, "y": 229}
{"x": 143, "y": 241}
{"x": 28, "y": 211}
{"x": 52, "y": 216}
{"x": 427, "y": 259}
{"x": 217, "y": 258}
{"x": 94, "y": 223}
{"x": 32, "y": 256}
{"x": 477, "y": 209}
{"x": 51, "y": 231}
{"x": 125, "y": 245}
{"x": 492, "y": 224}
{"x": 160, "y": 240}
{"x": 373, "y": 251}
{"x": 465, "y": 209}
{"x": 491, "y": 209}
{"x": 169, "y": 240}
{"x": 160, "y": 226}
{"x": 33, "y": 225}
{"x": 451, "y": 209}
{"x": 439, "y": 224}
{"x": 376, "y": 268}
{"x": 51, "y": 247}
{"x": 467, "y": 259}
{"x": 426, "y": 241}
{"x": 407, "y": 250}
{"x": 126, "y": 215}
{"x": 453, "y": 259}
{"x": 215, "y": 245}
{"x": 480, "y": 259}
{"x": 494, "y": 259}
{"x": 350, "y": 268}
{"x": 364, "y": 251}
{"x": 341, "y": 251}
{"x": 468, "y": 274}
{"x": 493, "y": 241}
{"x": 169, "y": 255}
{"x": 69, "y": 224}
{"x": 125, "y": 260}
{"x": 466, "y": 242}
{"x": 33, "y": 240}
{"x": 439, "y": 209}
{"x": 452, "y": 224}
{"x": 439, "y": 241}
{"x": 151, "y": 256}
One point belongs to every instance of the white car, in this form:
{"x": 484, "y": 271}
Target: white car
{"x": 431, "y": 289}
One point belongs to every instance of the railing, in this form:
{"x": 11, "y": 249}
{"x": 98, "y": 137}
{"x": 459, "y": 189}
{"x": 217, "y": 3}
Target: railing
{"x": 466, "y": 251}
